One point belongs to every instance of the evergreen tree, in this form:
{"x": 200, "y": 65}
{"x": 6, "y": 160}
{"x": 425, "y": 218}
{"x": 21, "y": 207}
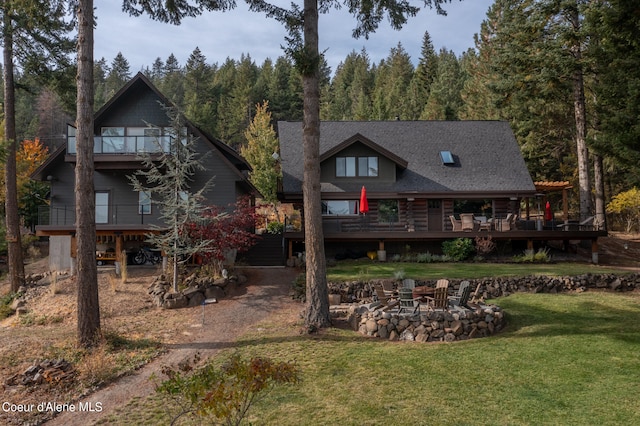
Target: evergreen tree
{"x": 259, "y": 151}
{"x": 167, "y": 176}
{"x": 88, "y": 302}
{"x": 422, "y": 79}
{"x": 118, "y": 75}
{"x": 172, "y": 85}
{"x": 100, "y": 72}
{"x": 444, "y": 96}
{"x": 198, "y": 99}
{"x": 392, "y": 85}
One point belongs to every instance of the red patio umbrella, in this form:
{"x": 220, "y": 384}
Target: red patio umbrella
{"x": 548, "y": 216}
{"x": 364, "y": 204}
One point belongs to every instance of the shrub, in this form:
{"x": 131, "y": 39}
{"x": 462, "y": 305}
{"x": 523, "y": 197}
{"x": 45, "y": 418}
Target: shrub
{"x": 459, "y": 249}
{"x": 5, "y": 305}
{"x": 299, "y": 287}
{"x": 224, "y": 394}
{"x": 275, "y": 227}
{"x": 531, "y": 256}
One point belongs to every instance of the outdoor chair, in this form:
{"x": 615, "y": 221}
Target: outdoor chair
{"x": 461, "y": 298}
{"x": 385, "y": 300}
{"x": 585, "y": 225}
{"x": 439, "y": 300}
{"x": 409, "y": 283}
{"x": 407, "y": 301}
{"x": 468, "y": 224}
{"x": 456, "y": 223}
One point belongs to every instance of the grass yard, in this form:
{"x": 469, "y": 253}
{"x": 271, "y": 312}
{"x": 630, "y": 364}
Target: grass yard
{"x": 365, "y": 270}
{"x": 568, "y": 359}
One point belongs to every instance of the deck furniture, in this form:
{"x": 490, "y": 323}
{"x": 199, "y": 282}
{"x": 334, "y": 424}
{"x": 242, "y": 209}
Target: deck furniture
{"x": 468, "y": 223}
{"x": 456, "y": 223}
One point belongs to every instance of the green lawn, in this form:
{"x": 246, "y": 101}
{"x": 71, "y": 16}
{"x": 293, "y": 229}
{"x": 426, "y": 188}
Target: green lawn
{"x": 564, "y": 359}
{"x": 365, "y": 269}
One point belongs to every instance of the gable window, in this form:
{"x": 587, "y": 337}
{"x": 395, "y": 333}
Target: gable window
{"x": 356, "y": 166}
{"x": 368, "y": 166}
{"x": 339, "y": 207}
{"x": 345, "y": 166}
{"x": 102, "y": 207}
{"x": 144, "y": 202}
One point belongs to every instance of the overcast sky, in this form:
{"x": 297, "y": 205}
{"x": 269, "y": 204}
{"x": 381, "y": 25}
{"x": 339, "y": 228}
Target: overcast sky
{"x": 221, "y": 35}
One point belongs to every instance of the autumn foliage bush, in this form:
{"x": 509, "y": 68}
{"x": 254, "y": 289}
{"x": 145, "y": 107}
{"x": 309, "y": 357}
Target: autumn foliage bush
{"x": 226, "y": 230}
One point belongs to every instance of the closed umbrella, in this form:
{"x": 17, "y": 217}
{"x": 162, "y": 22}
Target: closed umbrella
{"x": 364, "y": 204}
{"x": 548, "y": 216}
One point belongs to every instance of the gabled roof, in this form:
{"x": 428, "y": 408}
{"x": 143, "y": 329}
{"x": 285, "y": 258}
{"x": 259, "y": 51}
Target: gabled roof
{"x": 358, "y": 138}
{"x": 487, "y": 156}
{"x": 140, "y": 79}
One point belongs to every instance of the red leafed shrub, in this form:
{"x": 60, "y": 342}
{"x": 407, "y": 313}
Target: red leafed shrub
{"x": 222, "y": 231}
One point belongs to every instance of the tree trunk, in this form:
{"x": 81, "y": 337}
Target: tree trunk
{"x": 580, "y": 120}
{"x": 598, "y": 173}
{"x": 14, "y": 245}
{"x": 88, "y": 303}
{"x": 317, "y": 309}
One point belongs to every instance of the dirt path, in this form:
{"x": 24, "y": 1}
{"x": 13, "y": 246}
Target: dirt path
{"x": 265, "y": 293}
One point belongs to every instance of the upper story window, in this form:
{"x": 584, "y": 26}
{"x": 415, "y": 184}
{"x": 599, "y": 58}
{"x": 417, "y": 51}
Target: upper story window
{"x": 128, "y": 140}
{"x": 356, "y": 166}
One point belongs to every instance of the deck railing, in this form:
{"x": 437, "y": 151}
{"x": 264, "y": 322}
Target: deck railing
{"x": 115, "y": 214}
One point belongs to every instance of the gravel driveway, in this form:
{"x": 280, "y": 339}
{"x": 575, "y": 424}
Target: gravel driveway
{"x": 266, "y": 292}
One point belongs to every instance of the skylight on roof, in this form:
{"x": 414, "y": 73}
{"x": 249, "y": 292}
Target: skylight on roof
{"x": 446, "y": 157}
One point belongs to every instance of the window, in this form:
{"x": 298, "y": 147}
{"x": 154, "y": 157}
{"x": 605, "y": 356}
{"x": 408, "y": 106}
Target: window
{"x": 368, "y": 166}
{"x": 356, "y": 166}
{"x": 387, "y": 211}
{"x": 345, "y": 166}
{"x": 339, "y": 207}
{"x": 102, "y": 207}
{"x": 447, "y": 157}
{"x": 112, "y": 139}
{"x": 144, "y": 202}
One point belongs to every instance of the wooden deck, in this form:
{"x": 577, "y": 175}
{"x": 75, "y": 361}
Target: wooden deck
{"x": 530, "y": 236}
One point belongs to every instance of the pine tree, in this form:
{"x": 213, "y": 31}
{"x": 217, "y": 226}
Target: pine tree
{"x": 118, "y": 75}
{"x": 167, "y": 177}
{"x": 261, "y": 152}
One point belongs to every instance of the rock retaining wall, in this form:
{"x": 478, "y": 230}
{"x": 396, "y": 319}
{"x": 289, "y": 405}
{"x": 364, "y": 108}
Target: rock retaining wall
{"x": 491, "y": 288}
{"x": 198, "y": 289}
{"x": 431, "y": 326}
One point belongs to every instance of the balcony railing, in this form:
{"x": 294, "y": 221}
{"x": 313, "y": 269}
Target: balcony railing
{"x": 117, "y": 214}
{"x": 124, "y": 144}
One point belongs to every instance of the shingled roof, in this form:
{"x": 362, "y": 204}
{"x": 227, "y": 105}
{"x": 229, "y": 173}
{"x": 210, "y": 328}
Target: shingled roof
{"x": 486, "y": 153}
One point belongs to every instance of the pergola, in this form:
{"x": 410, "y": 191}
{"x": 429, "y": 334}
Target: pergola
{"x": 543, "y": 188}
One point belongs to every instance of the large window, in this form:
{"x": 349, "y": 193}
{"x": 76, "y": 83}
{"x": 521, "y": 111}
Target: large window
{"x": 356, "y": 166}
{"x": 113, "y": 139}
{"x": 339, "y": 207}
{"x": 102, "y": 207}
{"x": 144, "y": 202}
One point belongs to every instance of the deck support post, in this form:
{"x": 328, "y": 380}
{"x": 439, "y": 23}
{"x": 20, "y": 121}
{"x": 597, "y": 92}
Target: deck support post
{"x": 529, "y": 244}
{"x": 594, "y": 251}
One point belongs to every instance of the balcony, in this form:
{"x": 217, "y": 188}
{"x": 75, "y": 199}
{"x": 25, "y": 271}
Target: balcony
{"x": 63, "y": 217}
{"x": 124, "y": 145}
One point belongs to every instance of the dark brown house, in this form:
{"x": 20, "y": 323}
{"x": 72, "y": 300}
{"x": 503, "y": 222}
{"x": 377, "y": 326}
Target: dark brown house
{"x": 132, "y": 122}
{"x": 425, "y": 181}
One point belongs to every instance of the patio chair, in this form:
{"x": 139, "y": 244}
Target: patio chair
{"x": 456, "y": 223}
{"x": 506, "y": 224}
{"x": 461, "y": 298}
{"x": 585, "y": 225}
{"x": 409, "y": 283}
{"x": 386, "y": 300}
{"x": 468, "y": 224}
{"x": 440, "y": 298}
{"x": 407, "y": 301}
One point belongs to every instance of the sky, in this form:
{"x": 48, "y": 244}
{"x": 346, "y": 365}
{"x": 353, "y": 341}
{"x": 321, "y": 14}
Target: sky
{"x": 222, "y": 35}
